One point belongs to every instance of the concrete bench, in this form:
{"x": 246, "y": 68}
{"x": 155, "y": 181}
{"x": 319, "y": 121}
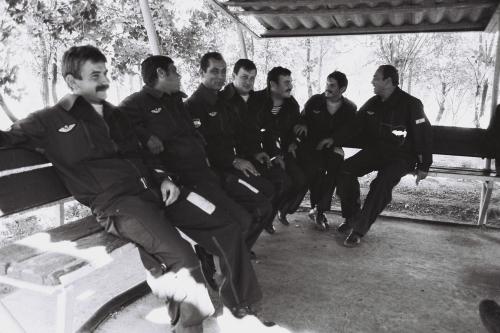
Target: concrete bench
{"x": 52, "y": 260}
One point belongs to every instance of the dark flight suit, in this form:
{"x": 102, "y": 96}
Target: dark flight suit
{"x": 396, "y": 131}
{"x": 157, "y": 113}
{"x": 284, "y": 122}
{"x": 492, "y": 138}
{"x": 100, "y": 162}
{"x": 321, "y": 125}
{"x": 213, "y": 117}
{"x": 256, "y": 133}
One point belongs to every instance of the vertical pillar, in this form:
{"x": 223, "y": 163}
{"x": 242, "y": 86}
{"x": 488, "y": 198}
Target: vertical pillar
{"x": 9, "y": 323}
{"x": 494, "y": 89}
{"x": 65, "y": 307}
{"x": 242, "y": 42}
{"x": 148, "y": 23}
{"x": 59, "y": 212}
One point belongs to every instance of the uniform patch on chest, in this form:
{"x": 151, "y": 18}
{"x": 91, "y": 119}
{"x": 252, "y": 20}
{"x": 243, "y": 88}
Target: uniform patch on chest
{"x": 371, "y": 113}
{"x": 317, "y": 111}
{"x": 213, "y": 114}
{"x": 399, "y": 133}
{"x": 419, "y": 121}
{"x": 157, "y": 110}
{"x": 67, "y": 128}
{"x": 197, "y": 122}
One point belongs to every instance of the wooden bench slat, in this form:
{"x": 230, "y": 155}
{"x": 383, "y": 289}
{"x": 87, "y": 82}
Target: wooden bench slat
{"x": 46, "y": 268}
{"x": 31, "y": 246}
{"x": 14, "y": 158}
{"x": 30, "y": 189}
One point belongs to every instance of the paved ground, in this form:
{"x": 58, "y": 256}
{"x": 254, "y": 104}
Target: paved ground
{"x": 404, "y": 277}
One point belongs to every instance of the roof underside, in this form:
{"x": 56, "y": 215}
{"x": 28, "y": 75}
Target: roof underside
{"x": 294, "y": 18}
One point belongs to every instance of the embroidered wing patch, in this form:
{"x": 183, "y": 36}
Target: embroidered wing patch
{"x": 371, "y": 113}
{"x": 419, "y": 121}
{"x": 316, "y": 111}
{"x": 157, "y": 110}
{"x": 67, "y": 128}
{"x": 213, "y": 114}
{"x": 197, "y": 122}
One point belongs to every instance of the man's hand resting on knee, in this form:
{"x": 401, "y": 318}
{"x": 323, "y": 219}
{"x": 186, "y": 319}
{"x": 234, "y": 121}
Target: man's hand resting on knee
{"x": 169, "y": 191}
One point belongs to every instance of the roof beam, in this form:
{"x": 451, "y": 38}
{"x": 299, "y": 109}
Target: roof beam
{"x": 230, "y": 15}
{"x": 372, "y": 30}
{"x": 494, "y": 21}
{"x": 375, "y": 10}
{"x": 292, "y": 3}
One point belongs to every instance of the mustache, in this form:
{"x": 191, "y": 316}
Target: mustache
{"x": 288, "y": 90}
{"x": 328, "y": 91}
{"x": 103, "y": 87}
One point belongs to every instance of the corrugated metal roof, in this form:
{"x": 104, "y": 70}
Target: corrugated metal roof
{"x": 296, "y": 18}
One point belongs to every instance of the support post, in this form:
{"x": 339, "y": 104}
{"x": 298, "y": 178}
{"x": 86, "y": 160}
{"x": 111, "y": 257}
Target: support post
{"x": 148, "y": 23}
{"x": 9, "y": 323}
{"x": 242, "y": 42}
{"x": 65, "y": 305}
{"x": 59, "y": 212}
{"x": 494, "y": 89}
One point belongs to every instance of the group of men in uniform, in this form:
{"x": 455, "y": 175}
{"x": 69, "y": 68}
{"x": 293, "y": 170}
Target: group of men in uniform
{"x": 220, "y": 165}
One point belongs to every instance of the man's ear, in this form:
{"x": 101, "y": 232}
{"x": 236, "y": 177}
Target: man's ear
{"x": 159, "y": 72}
{"x": 233, "y": 76}
{"x": 70, "y": 80}
{"x": 273, "y": 85}
{"x": 343, "y": 89}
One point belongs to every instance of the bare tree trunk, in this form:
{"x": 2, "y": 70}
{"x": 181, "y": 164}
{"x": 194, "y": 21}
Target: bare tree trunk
{"x": 308, "y": 67}
{"x": 483, "y": 97}
{"x": 477, "y": 107}
{"x": 117, "y": 85}
{"x": 54, "y": 79}
{"x": 45, "y": 73}
{"x": 320, "y": 66}
{"x": 6, "y": 109}
{"x": 130, "y": 84}
{"x": 441, "y": 102}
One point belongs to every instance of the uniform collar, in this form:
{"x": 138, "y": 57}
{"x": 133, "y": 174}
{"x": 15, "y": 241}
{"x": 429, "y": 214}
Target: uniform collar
{"x": 394, "y": 97}
{"x": 323, "y": 99}
{"x": 206, "y": 95}
{"x": 79, "y": 107}
{"x": 229, "y": 91}
{"x": 159, "y": 94}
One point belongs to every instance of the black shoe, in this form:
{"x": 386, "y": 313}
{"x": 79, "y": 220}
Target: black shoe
{"x": 248, "y": 311}
{"x": 321, "y": 221}
{"x": 312, "y": 214}
{"x": 346, "y": 225}
{"x": 207, "y": 266}
{"x": 270, "y": 229}
{"x": 282, "y": 218}
{"x": 252, "y": 255}
{"x": 353, "y": 239}
{"x": 489, "y": 311}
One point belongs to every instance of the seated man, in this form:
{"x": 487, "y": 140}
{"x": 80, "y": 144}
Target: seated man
{"x": 96, "y": 152}
{"x": 164, "y": 126}
{"x": 322, "y": 116}
{"x": 214, "y": 119}
{"x": 257, "y": 139}
{"x": 398, "y": 136}
{"x": 285, "y": 111}
{"x": 492, "y": 138}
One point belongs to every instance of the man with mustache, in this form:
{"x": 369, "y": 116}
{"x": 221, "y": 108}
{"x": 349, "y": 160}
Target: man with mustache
{"x": 398, "y": 137}
{"x": 166, "y": 128}
{"x": 257, "y": 139}
{"x": 97, "y": 154}
{"x": 285, "y": 112}
{"x": 322, "y": 116}
{"x": 215, "y": 119}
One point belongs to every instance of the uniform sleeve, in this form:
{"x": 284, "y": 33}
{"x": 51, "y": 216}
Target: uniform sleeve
{"x": 422, "y": 135}
{"x": 492, "y": 135}
{"x": 305, "y": 119}
{"x": 271, "y": 138}
{"x": 132, "y": 109}
{"x": 294, "y": 121}
{"x": 26, "y": 133}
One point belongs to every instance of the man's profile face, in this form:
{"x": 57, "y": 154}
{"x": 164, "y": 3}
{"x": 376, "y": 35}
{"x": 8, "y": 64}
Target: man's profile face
{"x": 332, "y": 89}
{"x": 215, "y": 76}
{"x": 284, "y": 87}
{"x": 244, "y": 80}
{"x": 94, "y": 82}
{"x": 169, "y": 80}
{"x": 378, "y": 82}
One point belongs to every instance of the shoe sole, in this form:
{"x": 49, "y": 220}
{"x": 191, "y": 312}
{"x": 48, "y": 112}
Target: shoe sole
{"x": 320, "y": 227}
{"x": 344, "y": 230}
{"x": 352, "y": 244}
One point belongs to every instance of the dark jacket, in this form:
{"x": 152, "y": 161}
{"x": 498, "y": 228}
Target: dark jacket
{"x": 99, "y": 159}
{"x": 285, "y": 120}
{"x": 157, "y": 113}
{"x": 492, "y": 136}
{"x": 397, "y": 124}
{"x": 255, "y": 130}
{"x": 320, "y": 123}
{"x": 213, "y": 117}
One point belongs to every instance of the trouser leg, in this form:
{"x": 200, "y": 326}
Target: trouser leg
{"x": 281, "y": 181}
{"x": 363, "y": 162}
{"x": 142, "y": 220}
{"x": 264, "y": 186}
{"x": 310, "y": 167}
{"x": 317, "y": 159}
{"x": 218, "y": 233}
{"x": 250, "y": 198}
{"x": 294, "y": 197}
{"x": 380, "y": 193}
{"x": 333, "y": 162}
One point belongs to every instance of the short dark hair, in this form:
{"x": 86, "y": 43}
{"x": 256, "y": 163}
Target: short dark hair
{"x": 339, "y": 77}
{"x": 245, "y": 64}
{"x": 274, "y": 75}
{"x": 205, "y": 60}
{"x": 390, "y": 71}
{"x": 149, "y": 68}
{"x": 74, "y": 58}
